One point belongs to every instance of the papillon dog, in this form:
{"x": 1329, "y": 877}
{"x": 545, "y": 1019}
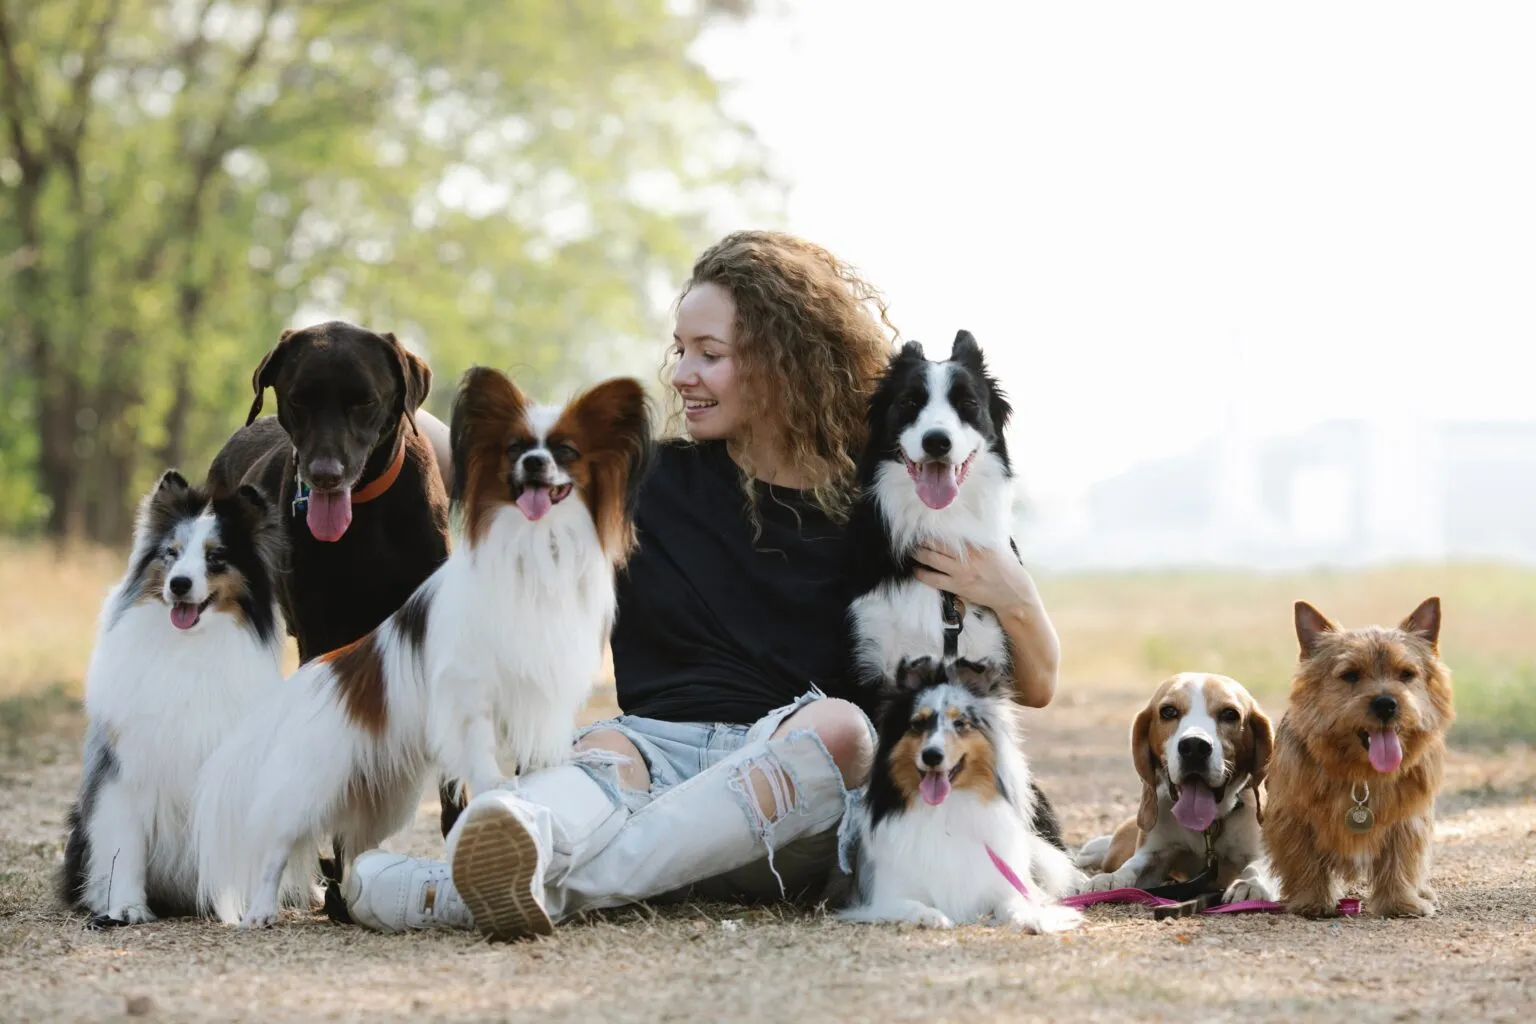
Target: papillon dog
{"x": 189, "y": 644}
{"x": 946, "y": 831}
{"x": 496, "y": 651}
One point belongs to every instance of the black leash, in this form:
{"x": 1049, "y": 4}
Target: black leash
{"x": 1197, "y": 894}
{"x": 954, "y": 622}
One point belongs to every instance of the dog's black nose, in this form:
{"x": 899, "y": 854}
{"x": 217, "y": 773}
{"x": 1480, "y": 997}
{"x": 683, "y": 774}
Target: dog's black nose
{"x": 325, "y": 474}
{"x": 534, "y": 465}
{"x": 1384, "y": 707}
{"x": 1194, "y": 749}
{"x": 936, "y": 442}
{"x": 181, "y": 585}
{"x": 933, "y": 758}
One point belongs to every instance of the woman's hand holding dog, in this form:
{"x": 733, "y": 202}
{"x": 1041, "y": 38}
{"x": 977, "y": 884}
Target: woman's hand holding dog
{"x": 994, "y": 579}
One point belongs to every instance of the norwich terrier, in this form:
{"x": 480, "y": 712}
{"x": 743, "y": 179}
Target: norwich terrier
{"x": 1358, "y": 758}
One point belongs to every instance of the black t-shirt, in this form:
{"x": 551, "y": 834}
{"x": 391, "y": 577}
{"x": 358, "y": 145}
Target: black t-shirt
{"x": 712, "y": 626}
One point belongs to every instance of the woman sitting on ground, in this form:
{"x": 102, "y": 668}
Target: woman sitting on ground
{"x": 727, "y": 775}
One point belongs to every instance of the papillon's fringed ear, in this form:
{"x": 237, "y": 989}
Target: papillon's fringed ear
{"x": 266, "y": 373}
{"x": 613, "y": 428}
{"x": 487, "y": 409}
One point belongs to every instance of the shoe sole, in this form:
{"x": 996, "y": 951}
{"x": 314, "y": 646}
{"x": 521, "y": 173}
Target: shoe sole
{"x": 493, "y": 868}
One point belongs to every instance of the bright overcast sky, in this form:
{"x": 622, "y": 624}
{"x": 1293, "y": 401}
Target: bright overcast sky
{"x": 1123, "y": 199}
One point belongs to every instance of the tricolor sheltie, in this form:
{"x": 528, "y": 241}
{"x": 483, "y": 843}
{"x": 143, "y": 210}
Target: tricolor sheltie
{"x": 945, "y": 831}
{"x": 189, "y": 644}
{"x": 498, "y": 649}
{"x": 934, "y": 469}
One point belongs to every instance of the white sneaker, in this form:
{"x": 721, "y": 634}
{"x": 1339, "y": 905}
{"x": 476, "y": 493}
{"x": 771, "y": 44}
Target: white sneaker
{"x": 498, "y": 867}
{"x": 390, "y": 892}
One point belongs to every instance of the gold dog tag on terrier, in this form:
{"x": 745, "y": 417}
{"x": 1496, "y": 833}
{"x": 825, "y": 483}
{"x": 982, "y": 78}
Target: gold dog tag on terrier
{"x": 1359, "y": 819}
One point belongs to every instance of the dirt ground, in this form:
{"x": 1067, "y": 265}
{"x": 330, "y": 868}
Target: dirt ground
{"x": 1475, "y": 961}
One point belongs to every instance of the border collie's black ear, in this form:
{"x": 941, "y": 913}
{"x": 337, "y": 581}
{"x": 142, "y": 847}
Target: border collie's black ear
{"x": 911, "y": 350}
{"x": 966, "y": 351}
{"x": 266, "y": 373}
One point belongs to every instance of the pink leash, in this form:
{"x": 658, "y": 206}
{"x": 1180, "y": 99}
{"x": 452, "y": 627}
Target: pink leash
{"x": 1347, "y": 907}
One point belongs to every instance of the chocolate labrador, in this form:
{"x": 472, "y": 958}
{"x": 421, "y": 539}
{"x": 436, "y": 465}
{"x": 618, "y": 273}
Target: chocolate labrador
{"x": 364, "y": 497}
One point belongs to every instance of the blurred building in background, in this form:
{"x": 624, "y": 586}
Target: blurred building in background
{"x": 1342, "y": 493}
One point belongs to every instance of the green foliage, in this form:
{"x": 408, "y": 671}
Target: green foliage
{"x": 510, "y": 183}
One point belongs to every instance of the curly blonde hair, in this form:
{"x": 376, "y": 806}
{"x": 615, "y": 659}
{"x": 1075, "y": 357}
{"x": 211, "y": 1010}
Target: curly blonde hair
{"x": 811, "y": 339}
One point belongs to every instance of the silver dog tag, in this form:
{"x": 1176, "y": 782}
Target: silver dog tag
{"x": 1359, "y": 819}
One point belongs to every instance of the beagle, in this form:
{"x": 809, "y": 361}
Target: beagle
{"x": 1200, "y": 746}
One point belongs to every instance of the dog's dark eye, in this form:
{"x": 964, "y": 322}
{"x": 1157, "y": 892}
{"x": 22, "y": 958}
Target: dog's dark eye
{"x": 218, "y": 560}
{"x": 564, "y": 452}
{"x": 908, "y": 403}
{"x": 1231, "y": 715}
{"x": 1169, "y": 712}
{"x": 961, "y": 725}
{"x": 1407, "y": 675}
{"x": 966, "y": 405}
{"x": 1350, "y": 676}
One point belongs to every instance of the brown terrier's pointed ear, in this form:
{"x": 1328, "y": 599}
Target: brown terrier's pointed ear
{"x": 415, "y": 377}
{"x": 1255, "y": 761}
{"x": 266, "y": 373}
{"x": 1311, "y": 624}
{"x": 1425, "y": 622}
{"x": 1145, "y": 760}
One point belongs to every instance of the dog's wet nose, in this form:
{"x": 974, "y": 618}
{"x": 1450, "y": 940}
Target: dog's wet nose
{"x": 1384, "y": 707}
{"x": 936, "y": 443}
{"x": 181, "y": 586}
{"x": 1194, "y": 749}
{"x": 933, "y": 758}
{"x": 325, "y": 474}
{"x": 534, "y": 465}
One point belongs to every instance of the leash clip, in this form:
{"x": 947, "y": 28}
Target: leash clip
{"x": 301, "y": 497}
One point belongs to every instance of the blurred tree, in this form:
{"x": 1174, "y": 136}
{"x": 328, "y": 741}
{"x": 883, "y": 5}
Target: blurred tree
{"x": 513, "y": 183}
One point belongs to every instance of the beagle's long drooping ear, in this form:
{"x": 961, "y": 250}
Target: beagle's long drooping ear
{"x": 266, "y": 373}
{"x": 1145, "y": 759}
{"x": 415, "y": 378}
{"x": 1255, "y": 759}
{"x": 1311, "y": 625}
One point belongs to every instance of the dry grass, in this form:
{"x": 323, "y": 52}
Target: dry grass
{"x": 1477, "y": 960}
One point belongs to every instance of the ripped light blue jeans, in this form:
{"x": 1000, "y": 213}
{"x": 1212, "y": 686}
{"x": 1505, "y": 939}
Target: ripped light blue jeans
{"x": 699, "y": 831}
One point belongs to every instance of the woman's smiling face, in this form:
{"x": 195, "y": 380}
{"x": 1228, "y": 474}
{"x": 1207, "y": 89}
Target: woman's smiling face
{"x": 705, "y": 373}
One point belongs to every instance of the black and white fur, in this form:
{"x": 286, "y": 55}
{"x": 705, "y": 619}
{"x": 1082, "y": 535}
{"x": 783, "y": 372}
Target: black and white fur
{"x": 945, "y": 416}
{"x": 189, "y": 643}
{"x": 927, "y": 861}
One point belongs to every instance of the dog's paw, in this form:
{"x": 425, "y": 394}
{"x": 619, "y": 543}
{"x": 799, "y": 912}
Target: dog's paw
{"x": 1428, "y": 894}
{"x": 1406, "y": 905}
{"x": 1310, "y": 908}
{"x": 1106, "y": 882}
{"x": 928, "y": 917}
{"x": 258, "y": 917}
{"x": 117, "y": 917}
{"x": 1245, "y": 889}
{"x": 1042, "y": 920}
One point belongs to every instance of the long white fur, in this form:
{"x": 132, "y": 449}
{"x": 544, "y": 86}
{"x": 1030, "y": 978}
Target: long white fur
{"x": 161, "y": 699}
{"x": 930, "y": 866}
{"x": 514, "y": 641}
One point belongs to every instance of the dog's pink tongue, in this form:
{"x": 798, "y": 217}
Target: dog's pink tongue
{"x": 934, "y": 787}
{"x": 330, "y": 514}
{"x": 937, "y": 484}
{"x": 1386, "y": 752}
{"x": 1196, "y": 808}
{"x": 534, "y": 501}
{"x": 184, "y": 615}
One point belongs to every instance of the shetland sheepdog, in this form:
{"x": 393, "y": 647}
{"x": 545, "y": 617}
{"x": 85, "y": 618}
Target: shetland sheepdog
{"x": 189, "y": 644}
{"x": 935, "y": 469}
{"x": 495, "y": 652}
{"x": 945, "y": 829}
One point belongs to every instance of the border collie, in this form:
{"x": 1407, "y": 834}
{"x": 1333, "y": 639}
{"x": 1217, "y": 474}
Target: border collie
{"x": 498, "y": 649}
{"x": 935, "y": 468}
{"x": 189, "y": 644}
{"x": 945, "y": 830}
